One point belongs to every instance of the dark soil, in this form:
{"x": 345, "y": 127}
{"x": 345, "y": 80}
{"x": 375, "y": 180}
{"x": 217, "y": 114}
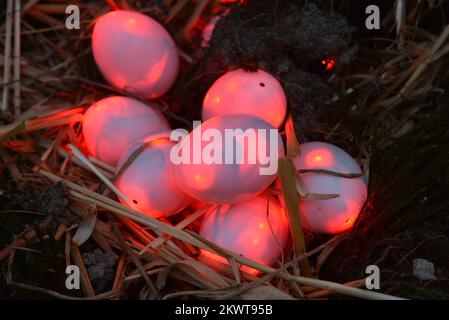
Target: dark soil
{"x": 407, "y": 216}
{"x": 42, "y": 263}
{"x": 287, "y": 39}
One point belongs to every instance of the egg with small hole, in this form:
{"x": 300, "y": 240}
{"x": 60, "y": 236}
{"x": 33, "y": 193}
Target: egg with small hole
{"x": 135, "y": 53}
{"x": 110, "y": 125}
{"x": 257, "y": 229}
{"x": 147, "y": 181}
{"x": 243, "y": 92}
{"x": 227, "y": 159}
{"x": 338, "y": 214}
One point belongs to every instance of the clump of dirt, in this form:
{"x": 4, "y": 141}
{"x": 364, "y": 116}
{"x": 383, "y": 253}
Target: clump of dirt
{"x": 51, "y": 202}
{"x": 36, "y": 210}
{"x": 289, "y": 40}
{"x": 101, "y": 268}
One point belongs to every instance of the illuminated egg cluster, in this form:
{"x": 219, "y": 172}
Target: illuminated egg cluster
{"x": 148, "y": 182}
{"x": 135, "y": 53}
{"x": 112, "y": 124}
{"x": 228, "y": 159}
{"x": 332, "y": 215}
{"x": 243, "y": 92}
{"x": 247, "y": 228}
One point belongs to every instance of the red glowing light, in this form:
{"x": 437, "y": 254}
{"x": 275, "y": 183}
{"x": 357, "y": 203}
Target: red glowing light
{"x": 328, "y": 63}
{"x": 209, "y": 258}
{"x": 319, "y": 158}
{"x": 233, "y": 1}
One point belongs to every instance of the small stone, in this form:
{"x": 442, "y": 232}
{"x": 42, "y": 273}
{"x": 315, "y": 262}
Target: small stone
{"x": 424, "y": 269}
{"x": 100, "y": 267}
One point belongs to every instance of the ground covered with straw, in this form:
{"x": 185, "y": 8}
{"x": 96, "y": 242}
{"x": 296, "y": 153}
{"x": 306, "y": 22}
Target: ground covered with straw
{"x": 385, "y": 102}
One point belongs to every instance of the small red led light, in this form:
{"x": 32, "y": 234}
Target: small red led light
{"x": 328, "y": 63}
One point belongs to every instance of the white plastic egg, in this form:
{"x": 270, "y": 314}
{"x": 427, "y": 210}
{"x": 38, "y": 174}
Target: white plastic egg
{"x": 135, "y": 53}
{"x": 332, "y": 215}
{"x": 247, "y": 228}
{"x": 148, "y": 182}
{"x": 228, "y": 159}
{"x": 112, "y": 124}
{"x": 243, "y": 92}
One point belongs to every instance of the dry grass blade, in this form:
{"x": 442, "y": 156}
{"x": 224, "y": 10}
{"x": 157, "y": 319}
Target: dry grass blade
{"x": 15, "y": 128}
{"x": 184, "y": 223}
{"x": 409, "y": 85}
{"x": 400, "y": 16}
{"x": 97, "y": 172}
{"x": 119, "y": 273}
{"x": 85, "y": 280}
{"x": 86, "y": 226}
{"x": 241, "y": 289}
{"x": 17, "y": 49}
{"x": 7, "y": 55}
{"x": 57, "y": 295}
{"x": 303, "y": 194}
{"x": 324, "y": 293}
{"x": 136, "y": 261}
{"x": 264, "y": 292}
{"x": 293, "y": 146}
{"x": 10, "y": 130}
{"x": 199, "y": 8}
{"x": 288, "y": 186}
{"x": 175, "y": 10}
{"x": 326, "y": 252}
{"x": 332, "y": 173}
{"x": 138, "y": 151}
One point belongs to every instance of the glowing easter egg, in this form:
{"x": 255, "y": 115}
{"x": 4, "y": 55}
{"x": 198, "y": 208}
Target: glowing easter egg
{"x": 148, "y": 182}
{"x": 135, "y": 53}
{"x": 337, "y": 214}
{"x": 242, "y": 92}
{"x": 112, "y": 124}
{"x": 228, "y": 159}
{"x": 247, "y": 228}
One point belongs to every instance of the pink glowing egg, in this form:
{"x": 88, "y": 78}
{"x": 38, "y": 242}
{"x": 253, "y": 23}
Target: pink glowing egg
{"x": 228, "y": 159}
{"x": 148, "y": 182}
{"x": 242, "y": 92}
{"x": 135, "y": 53}
{"x": 247, "y": 228}
{"x": 337, "y": 214}
{"x": 112, "y": 124}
